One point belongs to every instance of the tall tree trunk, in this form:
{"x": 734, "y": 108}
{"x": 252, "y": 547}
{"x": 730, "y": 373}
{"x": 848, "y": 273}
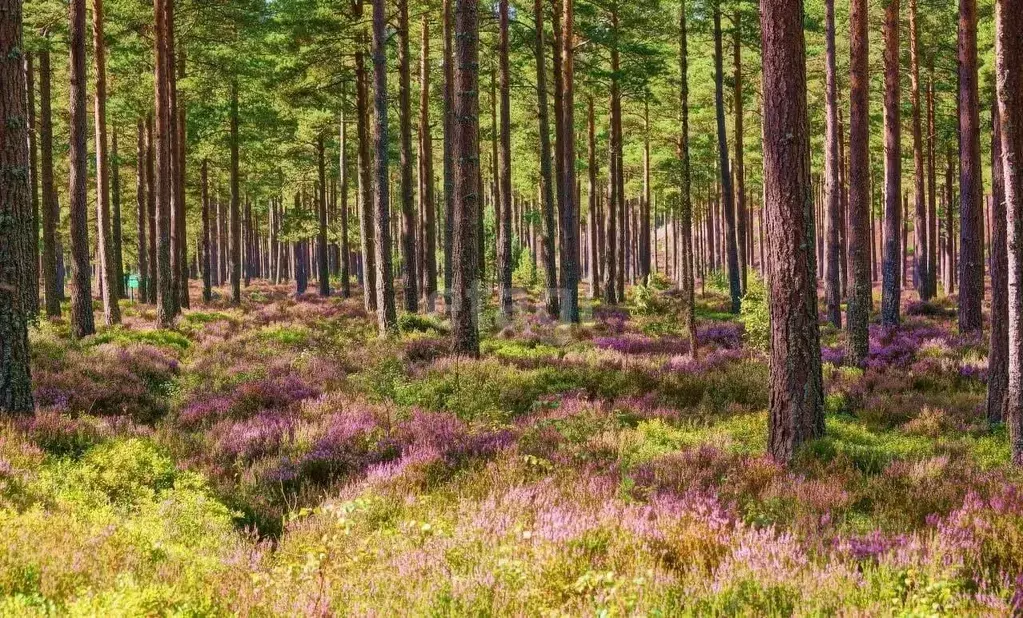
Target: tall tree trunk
{"x": 141, "y": 218}
{"x": 465, "y": 294}
{"x": 950, "y": 245}
{"x": 108, "y": 275}
{"x": 551, "y": 294}
{"x": 236, "y": 224}
{"x": 570, "y": 211}
{"x": 151, "y": 205}
{"x": 998, "y": 360}
{"x": 52, "y": 282}
{"x": 207, "y": 263}
{"x": 181, "y": 221}
{"x": 387, "y": 319}
{"x": 323, "y": 268}
{"x": 742, "y": 226}
{"x": 971, "y": 194}
{"x": 408, "y": 192}
{"x": 860, "y": 231}
{"x": 82, "y": 323}
{"x": 594, "y": 191}
{"x": 797, "y": 394}
{"x": 932, "y": 196}
{"x": 163, "y": 174}
{"x": 16, "y": 211}
{"x": 832, "y": 183}
{"x": 116, "y": 222}
{"x": 1009, "y": 54}
{"x": 922, "y": 249}
{"x": 727, "y": 196}
{"x": 426, "y": 194}
{"x": 644, "y": 207}
{"x": 504, "y": 168}
{"x": 613, "y": 280}
{"x": 31, "y": 267}
{"x": 449, "y": 162}
{"x": 891, "y": 272}
{"x": 686, "y": 280}
{"x": 346, "y": 275}
{"x": 366, "y": 225}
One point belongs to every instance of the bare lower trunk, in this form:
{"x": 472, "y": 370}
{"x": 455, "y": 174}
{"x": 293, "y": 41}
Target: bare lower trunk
{"x": 860, "y": 233}
{"x": 82, "y": 323}
{"x": 971, "y": 206}
{"x": 797, "y": 397}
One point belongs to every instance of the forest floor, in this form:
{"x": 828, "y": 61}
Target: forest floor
{"x": 280, "y": 459}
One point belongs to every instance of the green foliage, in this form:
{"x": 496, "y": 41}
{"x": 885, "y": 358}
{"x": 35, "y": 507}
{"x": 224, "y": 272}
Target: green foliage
{"x": 157, "y": 337}
{"x": 756, "y": 314}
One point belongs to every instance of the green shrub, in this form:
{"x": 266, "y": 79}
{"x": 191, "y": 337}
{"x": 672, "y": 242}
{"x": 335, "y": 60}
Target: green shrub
{"x": 756, "y": 314}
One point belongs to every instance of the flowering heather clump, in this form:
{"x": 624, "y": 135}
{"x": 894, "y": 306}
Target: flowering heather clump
{"x": 833, "y": 354}
{"x": 642, "y": 344}
{"x": 611, "y": 319}
{"x": 721, "y": 334}
{"x": 706, "y": 362}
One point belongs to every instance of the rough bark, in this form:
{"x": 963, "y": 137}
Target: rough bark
{"x": 727, "y": 197}
{"x": 998, "y": 365}
{"x": 921, "y": 250}
{"x": 366, "y": 225}
{"x": 82, "y": 321}
{"x": 551, "y": 295}
{"x": 408, "y": 192}
{"x": 50, "y": 206}
{"x": 860, "y": 233}
{"x": 1008, "y": 55}
{"x": 891, "y": 271}
{"x": 108, "y": 276}
{"x": 594, "y": 190}
{"x": 504, "y": 169}
{"x": 449, "y": 161}
{"x": 15, "y": 216}
{"x": 30, "y": 269}
{"x": 116, "y": 227}
{"x": 686, "y": 280}
{"x": 466, "y": 283}
{"x": 971, "y": 206}
{"x": 832, "y": 184}
{"x": 426, "y": 193}
{"x": 570, "y": 207}
{"x": 739, "y": 167}
{"x": 387, "y": 319}
{"x": 796, "y": 396}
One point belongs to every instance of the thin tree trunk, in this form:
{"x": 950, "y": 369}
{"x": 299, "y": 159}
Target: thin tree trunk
{"x": 108, "y": 276}
{"x": 832, "y": 184}
{"x": 141, "y": 218}
{"x": 366, "y": 225}
{"x": 449, "y": 163}
{"x": 387, "y": 319}
{"x": 236, "y": 227}
{"x": 921, "y": 249}
{"x": 551, "y": 294}
{"x": 570, "y": 210}
{"x": 426, "y": 193}
{"x": 151, "y": 205}
{"x": 739, "y": 165}
{"x": 797, "y": 394}
{"x": 52, "y": 282}
{"x": 82, "y": 322}
{"x": 345, "y": 259}
{"x": 504, "y": 169}
{"x": 207, "y": 263}
{"x": 686, "y": 280}
{"x": 323, "y": 268}
{"x": 860, "y": 227}
{"x": 891, "y": 272}
{"x": 998, "y": 360}
{"x": 408, "y": 191}
{"x": 727, "y": 196}
{"x": 31, "y": 267}
{"x": 594, "y": 191}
